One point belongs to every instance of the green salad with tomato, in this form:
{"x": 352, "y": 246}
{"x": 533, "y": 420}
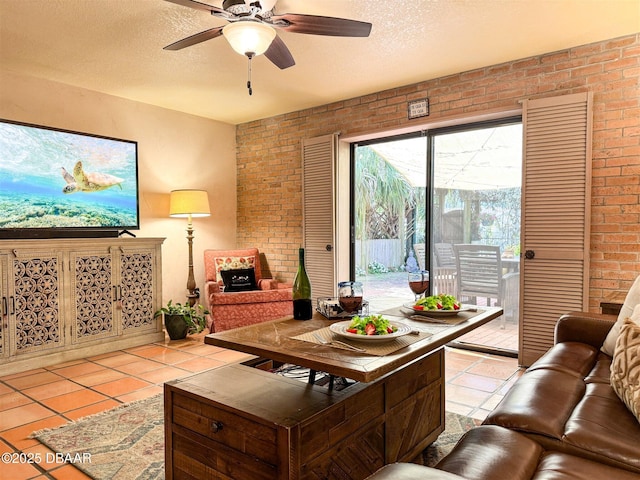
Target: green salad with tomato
{"x": 437, "y": 302}
{"x": 371, "y": 325}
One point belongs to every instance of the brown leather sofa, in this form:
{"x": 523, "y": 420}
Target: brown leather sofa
{"x": 560, "y": 420}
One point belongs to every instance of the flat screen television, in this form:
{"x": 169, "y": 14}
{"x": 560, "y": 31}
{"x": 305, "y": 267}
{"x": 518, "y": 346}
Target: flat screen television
{"x": 58, "y": 183}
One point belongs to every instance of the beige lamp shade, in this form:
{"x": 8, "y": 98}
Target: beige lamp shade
{"x": 249, "y": 37}
{"x": 189, "y": 203}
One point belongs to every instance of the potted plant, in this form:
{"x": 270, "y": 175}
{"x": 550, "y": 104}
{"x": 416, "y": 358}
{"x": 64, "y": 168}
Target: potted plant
{"x": 181, "y": 320}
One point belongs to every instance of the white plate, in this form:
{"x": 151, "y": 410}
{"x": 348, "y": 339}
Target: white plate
{"x": 436, "y": 313}
{"x": 340, "y": 328}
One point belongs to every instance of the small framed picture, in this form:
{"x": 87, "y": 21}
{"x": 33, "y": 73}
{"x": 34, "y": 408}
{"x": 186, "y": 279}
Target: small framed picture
{"x": 418, "y": 108}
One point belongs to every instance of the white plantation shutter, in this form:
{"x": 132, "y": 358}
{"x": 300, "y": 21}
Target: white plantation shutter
{"x": 556, "y": 210}
{"x": 318, "y": 198}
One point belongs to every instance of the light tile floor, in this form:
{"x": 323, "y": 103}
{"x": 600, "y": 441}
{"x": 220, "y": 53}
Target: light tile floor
{"x": 52, "y": 396}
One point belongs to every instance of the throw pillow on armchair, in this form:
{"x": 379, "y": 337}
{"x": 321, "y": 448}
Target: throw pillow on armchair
{"x": 240, "y": 280}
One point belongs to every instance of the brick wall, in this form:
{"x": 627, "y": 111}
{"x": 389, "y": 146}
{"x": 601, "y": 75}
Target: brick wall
{"x": 269, "y": 150}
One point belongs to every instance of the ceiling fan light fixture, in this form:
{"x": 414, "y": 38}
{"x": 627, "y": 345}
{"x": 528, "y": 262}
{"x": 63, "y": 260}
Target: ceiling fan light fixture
{"x": 249, "y": 37}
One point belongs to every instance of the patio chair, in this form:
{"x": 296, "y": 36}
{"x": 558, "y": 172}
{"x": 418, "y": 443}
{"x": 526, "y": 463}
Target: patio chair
{"x": 442, "y": 276}
{"x": 445, "y": 256}
{"x": 480, "y": 274}
{"x": 445, "y": 271}
{"x": 419, "y": 250}
{"x": 252, "y": 302}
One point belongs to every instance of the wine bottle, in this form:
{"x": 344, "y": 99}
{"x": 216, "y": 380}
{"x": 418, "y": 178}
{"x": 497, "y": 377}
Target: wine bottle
{"x": 302, "y": 308}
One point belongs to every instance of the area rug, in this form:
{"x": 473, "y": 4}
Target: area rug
{"x": 454, "y": 427}
{"x": 124, "y": 443}
{"x": 127, "y": 442}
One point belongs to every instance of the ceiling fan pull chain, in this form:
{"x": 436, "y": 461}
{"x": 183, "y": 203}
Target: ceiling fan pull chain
{"x": 249, "y": 75}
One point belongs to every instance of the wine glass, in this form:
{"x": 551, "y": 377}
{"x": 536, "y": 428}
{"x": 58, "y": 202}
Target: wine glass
{"x": 350, "y": 296}
{"x": 419, "y": 282}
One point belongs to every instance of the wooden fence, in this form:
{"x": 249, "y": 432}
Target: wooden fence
{"x": 388, "y": 252}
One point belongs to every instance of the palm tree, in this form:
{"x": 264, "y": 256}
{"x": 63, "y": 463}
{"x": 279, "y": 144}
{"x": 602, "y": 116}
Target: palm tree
{"x": 383, "y": 198}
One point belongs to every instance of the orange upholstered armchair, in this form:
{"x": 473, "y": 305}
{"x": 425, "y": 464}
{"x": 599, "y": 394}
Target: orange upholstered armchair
{"x": 235, "y": 293}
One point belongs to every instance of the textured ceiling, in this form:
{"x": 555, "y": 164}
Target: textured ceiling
{"x": 115, "y": 47}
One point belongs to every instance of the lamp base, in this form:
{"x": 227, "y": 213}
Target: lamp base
{"x": 193, "y": 296}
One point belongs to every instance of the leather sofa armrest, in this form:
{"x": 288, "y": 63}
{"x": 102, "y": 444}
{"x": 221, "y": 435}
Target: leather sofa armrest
{"x": 584, "y": 327}
{"x": 411, "y": 471}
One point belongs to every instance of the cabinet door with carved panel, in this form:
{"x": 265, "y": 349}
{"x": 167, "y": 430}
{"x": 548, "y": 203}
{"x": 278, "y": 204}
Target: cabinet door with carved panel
{"x": 93, "y": 292}
{"x": 35, "y": 301}
{"x": 137, "y": 289}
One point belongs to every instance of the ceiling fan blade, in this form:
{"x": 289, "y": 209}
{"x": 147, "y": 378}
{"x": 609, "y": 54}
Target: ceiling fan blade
{"x": 193, "y": 39}
{"x": 279, "y": 54}
{"x": 197, "y": 5}
{"x": 319, "y": 25}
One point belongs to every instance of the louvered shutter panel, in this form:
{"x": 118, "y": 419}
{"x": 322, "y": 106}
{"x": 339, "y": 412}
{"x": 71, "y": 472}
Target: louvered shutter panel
{"x": 318, "y": 164}
{"x": 556, "y": 210}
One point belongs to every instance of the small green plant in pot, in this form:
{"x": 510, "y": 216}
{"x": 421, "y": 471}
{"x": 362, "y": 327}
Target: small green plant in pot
{"x": 181, "y": 320}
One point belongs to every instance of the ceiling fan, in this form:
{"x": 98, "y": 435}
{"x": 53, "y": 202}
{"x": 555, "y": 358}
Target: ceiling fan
{"x": 252, "y": 28}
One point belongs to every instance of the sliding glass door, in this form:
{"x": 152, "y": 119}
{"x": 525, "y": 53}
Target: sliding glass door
{"x": 418, "y": 199}
{"x": 475, "y": 225}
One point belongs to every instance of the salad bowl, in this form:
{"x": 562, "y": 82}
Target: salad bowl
{"x": 437, "y": 312}
{"x": 340, "y": 328}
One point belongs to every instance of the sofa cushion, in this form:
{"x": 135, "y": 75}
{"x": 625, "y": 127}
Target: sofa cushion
{"x": 603, "y": 429}
{"x": 570, "y": 357}
{"x": 625, "y": 368}
{"x": 490, "y": 452}
{"x": 630, "y": 302}
{"x": 578, "y": 359}
{"x": 540, "y": 402}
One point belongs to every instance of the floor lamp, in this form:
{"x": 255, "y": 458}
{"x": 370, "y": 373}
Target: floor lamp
{"x": 189, "y": 204}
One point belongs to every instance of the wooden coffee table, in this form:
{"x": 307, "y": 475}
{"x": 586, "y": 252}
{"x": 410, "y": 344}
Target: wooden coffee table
{"x": 240, "y": 422}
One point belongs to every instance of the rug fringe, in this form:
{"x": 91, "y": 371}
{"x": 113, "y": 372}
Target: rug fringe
{"x": 94, "y": 415}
